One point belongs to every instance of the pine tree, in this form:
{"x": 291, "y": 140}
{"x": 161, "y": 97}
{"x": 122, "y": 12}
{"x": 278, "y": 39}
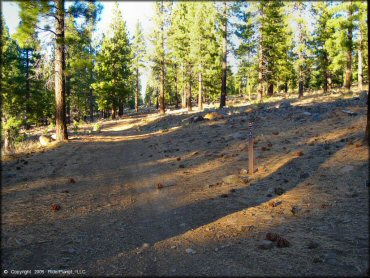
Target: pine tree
{"x": 162, "y": 13}
{"x": 138, "y": 48}
{"x": 112, "y": 67}
{"x": 80, "y": 56}
{"x": 322, "y": 34}
{"x": 302, "y": 40}
{"x": 204, "y": 47}
{"x": 179, "y": 43}
{"x": 30, "y": 13}
{"x": 224, "y": 22}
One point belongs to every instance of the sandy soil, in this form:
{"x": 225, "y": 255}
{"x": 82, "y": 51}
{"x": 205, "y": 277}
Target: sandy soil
{"x": 115, "y": 221}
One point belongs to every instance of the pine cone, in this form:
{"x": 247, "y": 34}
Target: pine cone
{"x": 55, "y": 207}
{"x": 272, "y": 236}
{"x": 282, "y": 242}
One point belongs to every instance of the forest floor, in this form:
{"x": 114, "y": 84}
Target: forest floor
{"x": 208, "y": 219}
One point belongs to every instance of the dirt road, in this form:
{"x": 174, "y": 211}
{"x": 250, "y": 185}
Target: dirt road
{"x": 206, "y": 220}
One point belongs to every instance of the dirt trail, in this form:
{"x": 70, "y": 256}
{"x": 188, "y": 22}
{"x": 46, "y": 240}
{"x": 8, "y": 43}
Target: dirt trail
{"x": 114, "y": 221}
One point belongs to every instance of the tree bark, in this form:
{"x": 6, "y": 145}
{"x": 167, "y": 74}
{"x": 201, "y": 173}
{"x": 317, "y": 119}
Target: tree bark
{"x": 28, "y": 93}
{"x": 189, "y": 96}
{"x": 162, "y": 92}
{"x": 224, "y": 58}
{"x": 137, "y": 91}
{"x": 120, "y": 106}
{"x": 200, "y": 95}
{"x": 260, "y": 70}
{"x": 176, "y": 88}
{"x": 61, "y": 127}
{"x": 68, "y": 101}
{"x": 326, "y": 73}
{"x": 157, "y": 101}
{"x": 286, "y": 87}
{"x": 360, "y": 71}
{"x": 270, "y": 90}
{"x": 91, "y": 103}
{"x": 367, "y": 129}
{"x": 113, "y": 110}
{"x": 183, "y": 95}
{"x": 300, "y": 55}
{"x": 348, "y": 77}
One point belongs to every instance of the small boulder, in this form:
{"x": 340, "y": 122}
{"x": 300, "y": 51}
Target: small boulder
{"x": 363, "y": 95}
{"x": 295, "y": 210}
{"x": 279, "y": 191}
{"x": 45, "y": 140}
{"x": 316, "y": 117}
{"x": 346, "y": 169}
{"x": 213, "y": 116}
{"x": 242, "y": 156}
{"x": 239, "y": 136}
{"x": 243, "y": 172}
{"x": 190, "y": 251}
{"x": 265, "y": 244}
{"x": 232, "y": 179}
{"x": 196, "y": 119}
{"x": 242, "y": 146}
{"x": 284, "y": 104}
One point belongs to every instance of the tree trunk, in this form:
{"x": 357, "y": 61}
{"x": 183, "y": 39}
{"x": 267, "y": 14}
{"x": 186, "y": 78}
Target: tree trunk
{"x": 348, "y": 77}
{"x": 189, "y": 96}
{"x": 61, "y": 127}
{"x": 157, "y": 101}
{"x": 91, "y": 103}
{"x": 300, "y": 55}
{"x": 120, "y": 106}
{"x": 162, "y": 93}
{"x": 224, "y": 57}
{"x": 137, "y": 91}
{"x": 270, "y": 90}
{"x": 183, "y": 96}
{"x": 367, "y": 130}
{"x": 200, "y": 96}
{"x": 286, "y": 87}
{"x": 28, "y": 94}
{"x": 326, "y": 73}
{"x": 91, "y": 96}
{"x": 360, "y": 73}
{"x": 68, "y": 101}
{"x": 176, "y": 88}
{"x": 113, "y": 110}
{"x": 330, "y": 83}
{"x": 300, "y": 89}
{"x": 260, "y": 68}
{"x": 325, "y": 82}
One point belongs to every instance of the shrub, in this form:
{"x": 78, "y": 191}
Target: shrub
{"x": 10, "y": 130}
{"x": 51, "y": 126}
{"x": 96, "y": 127}
{"x": 75, "y": 126}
